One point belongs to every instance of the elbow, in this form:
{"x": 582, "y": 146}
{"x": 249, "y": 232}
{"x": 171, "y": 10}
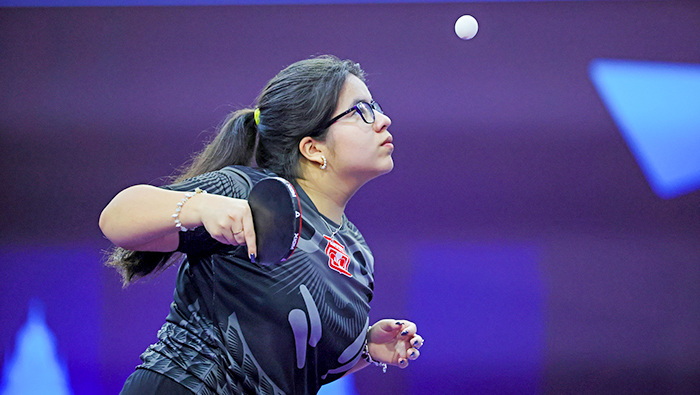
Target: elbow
{"x": 105, "y": 224}
{"x": 111, "y": 231}
{"x": 111, "y": 224}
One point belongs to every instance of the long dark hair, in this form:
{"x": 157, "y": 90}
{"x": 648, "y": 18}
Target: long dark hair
{"x": 298, "y": 102}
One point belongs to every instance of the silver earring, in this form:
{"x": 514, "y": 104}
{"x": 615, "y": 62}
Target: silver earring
{"x": 325, "y": 163}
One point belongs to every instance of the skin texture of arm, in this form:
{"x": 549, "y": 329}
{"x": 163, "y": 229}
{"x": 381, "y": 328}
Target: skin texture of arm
{"x": 141, "y": 218}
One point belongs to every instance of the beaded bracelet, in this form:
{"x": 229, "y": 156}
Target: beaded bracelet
{"x": 367, "y": 357}
{"x": 187, "y": 197}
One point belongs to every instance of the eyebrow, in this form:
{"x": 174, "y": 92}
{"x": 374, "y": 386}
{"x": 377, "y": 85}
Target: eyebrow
{"x": 356, "y": 101}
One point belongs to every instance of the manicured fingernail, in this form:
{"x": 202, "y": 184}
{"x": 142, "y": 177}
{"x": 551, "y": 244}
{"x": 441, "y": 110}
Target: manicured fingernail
{"x": 398, "y": 323}
{"x": 252, "y": 258}
{"x": 402, "y": 362}
{"x": 404, "y": 333}
{"x": 413, "y": 354}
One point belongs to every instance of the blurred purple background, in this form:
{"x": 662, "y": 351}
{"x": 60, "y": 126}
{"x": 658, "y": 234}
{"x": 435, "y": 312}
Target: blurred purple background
{"x": 517, "y": 229}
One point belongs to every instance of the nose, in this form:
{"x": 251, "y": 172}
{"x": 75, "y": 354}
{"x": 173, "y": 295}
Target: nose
{"x": 381, "y": 122}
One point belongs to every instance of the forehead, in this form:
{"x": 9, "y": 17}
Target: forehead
{"x": 354, "y": 90}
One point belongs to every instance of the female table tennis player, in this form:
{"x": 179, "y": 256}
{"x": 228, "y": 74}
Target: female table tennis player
{"x": 238, "y": 327}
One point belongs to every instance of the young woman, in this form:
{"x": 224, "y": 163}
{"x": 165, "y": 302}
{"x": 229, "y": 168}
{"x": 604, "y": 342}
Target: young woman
{"x": 237, "y": 327}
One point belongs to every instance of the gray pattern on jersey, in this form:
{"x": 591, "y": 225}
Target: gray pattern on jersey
{"x": 305, "y": 320}
{"x": 189, "y": 349}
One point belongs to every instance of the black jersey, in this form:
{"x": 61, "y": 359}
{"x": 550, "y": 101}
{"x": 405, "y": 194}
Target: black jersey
{"x": 236, "y": 327}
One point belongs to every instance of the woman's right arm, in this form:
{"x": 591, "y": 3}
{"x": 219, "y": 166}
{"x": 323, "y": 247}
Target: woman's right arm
{"x": 140, "y": 218}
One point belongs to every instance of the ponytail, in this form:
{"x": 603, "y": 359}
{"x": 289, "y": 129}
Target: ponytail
{"x": 234, "y": 144}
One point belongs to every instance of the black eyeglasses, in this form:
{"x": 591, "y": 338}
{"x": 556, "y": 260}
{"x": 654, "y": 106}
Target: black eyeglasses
{"x": 366, "y": 111}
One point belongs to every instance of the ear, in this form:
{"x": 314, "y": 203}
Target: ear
{"x": 312, "y": 149}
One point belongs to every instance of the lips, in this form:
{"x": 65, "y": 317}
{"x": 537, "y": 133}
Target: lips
{"x": 388, "y": 140}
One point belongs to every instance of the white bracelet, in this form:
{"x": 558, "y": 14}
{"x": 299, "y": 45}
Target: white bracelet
{"x": 187, "y": 197}
{"x": 367, "y": 357}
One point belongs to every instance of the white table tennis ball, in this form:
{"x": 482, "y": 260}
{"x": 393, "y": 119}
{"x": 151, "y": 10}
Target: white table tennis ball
{"x": 466, "y": 27}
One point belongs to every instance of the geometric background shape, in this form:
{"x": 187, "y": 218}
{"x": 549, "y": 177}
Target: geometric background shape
{"x": 656, "y": 107}
{"x": 35, "y": 352}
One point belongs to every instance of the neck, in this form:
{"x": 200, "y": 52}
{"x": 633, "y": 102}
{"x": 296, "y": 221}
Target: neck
{"x": 329, "y": 193}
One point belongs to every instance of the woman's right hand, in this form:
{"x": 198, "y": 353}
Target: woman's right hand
{"x": 227, "y": 220}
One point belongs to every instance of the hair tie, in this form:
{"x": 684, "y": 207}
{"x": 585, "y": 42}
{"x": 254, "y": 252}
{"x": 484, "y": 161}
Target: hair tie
{"x": 256, "y": 115}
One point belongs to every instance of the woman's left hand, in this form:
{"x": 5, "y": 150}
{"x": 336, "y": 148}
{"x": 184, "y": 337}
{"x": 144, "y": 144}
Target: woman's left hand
{"x": 394, "y": 342}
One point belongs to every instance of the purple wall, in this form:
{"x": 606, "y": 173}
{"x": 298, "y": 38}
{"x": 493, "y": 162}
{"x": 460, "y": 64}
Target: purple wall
{"x": 511, "y": 181}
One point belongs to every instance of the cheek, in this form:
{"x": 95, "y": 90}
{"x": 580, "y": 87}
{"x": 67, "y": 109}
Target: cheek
{"x": 355, "y": 151}
{"x": 347, "y": 147}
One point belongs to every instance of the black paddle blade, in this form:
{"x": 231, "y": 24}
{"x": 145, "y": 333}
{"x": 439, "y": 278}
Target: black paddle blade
{"x": 277, "y": 218}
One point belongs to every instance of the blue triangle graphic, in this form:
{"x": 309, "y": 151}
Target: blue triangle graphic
{"x": 35, "y": 366}
{"x": 656, "y": 107}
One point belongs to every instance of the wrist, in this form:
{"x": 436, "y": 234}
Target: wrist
{"x": 367, "y": 356}
{"x": 187, "y": 218}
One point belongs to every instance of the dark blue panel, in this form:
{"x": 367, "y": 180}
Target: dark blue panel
{"x": 481, "y": 310}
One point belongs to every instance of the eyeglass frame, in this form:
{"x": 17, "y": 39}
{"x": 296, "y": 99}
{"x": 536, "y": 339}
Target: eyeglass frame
{"x": 373, "y": 105}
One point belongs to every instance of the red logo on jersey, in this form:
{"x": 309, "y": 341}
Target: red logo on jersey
{"x": 337, "y": 259}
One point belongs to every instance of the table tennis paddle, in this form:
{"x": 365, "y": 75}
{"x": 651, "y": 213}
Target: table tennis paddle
{"x": 276, "y": 211}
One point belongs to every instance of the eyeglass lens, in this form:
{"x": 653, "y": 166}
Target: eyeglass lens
{"x": 367, "y": 111}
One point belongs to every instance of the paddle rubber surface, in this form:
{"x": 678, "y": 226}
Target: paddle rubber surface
{"x": 277, "y": 218}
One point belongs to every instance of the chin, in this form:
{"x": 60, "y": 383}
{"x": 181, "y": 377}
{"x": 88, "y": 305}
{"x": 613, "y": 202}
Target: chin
{"x": 380, "y": 169}
{"x": 388, "y": 167}
{"x": 391, "y": 165}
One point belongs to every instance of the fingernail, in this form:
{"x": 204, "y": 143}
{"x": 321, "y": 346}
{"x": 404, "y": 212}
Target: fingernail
{"x": 252, "y": 258}
{"x": 402, "y": 361}
{"x": 398, "y": 323}
{"x": 404, "y": 333}
{"x": 413, "y": 354}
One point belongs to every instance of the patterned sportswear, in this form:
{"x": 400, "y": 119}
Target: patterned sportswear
{"x": 236, "y": 327}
